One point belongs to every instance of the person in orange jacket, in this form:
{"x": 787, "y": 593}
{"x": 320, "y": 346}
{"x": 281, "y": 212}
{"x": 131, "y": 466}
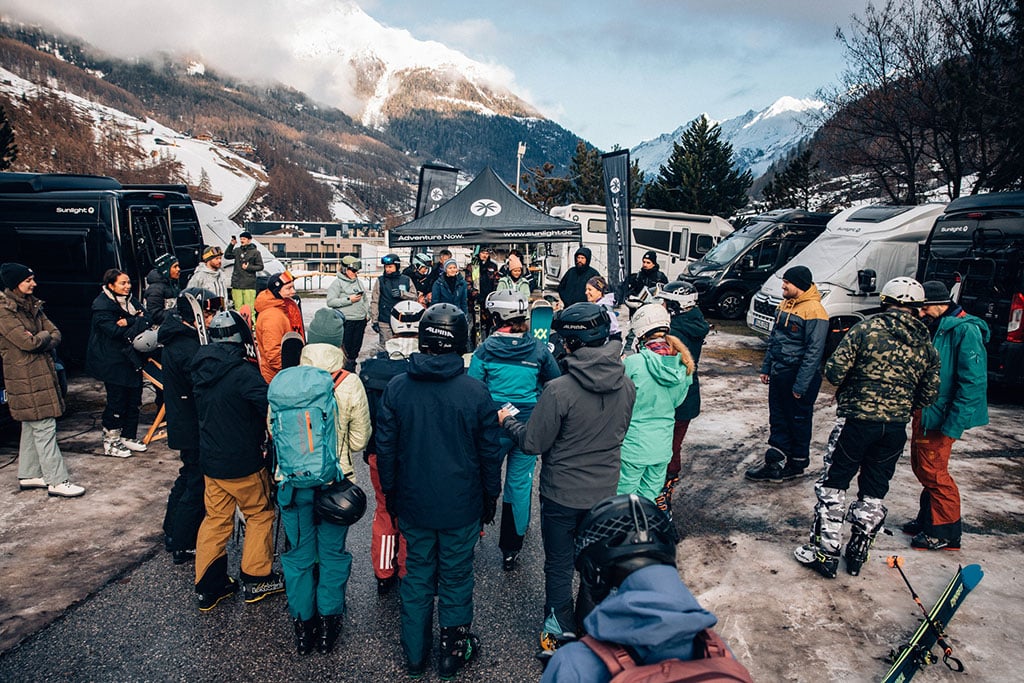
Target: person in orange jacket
{"x": 277, "y": 314}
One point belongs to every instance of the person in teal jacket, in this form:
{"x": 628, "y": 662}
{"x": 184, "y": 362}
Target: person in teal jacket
{"x": 963, "y": 384}
{"x": 662, "y": 371}
{"x": 514, "y": 366}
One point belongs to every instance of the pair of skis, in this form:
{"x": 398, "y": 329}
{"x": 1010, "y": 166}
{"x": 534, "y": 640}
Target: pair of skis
{"x": 918, "y": 651}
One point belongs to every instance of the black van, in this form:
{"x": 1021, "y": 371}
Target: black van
{"x": 727, "y": 276}
{"x": 71, "y": 228}
{"x": 976, "y": 247}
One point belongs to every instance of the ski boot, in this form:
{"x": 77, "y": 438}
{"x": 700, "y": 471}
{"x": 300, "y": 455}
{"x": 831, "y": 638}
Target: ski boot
{"x": 810, "y": 555}
{"x": 305, "y": 635}
{"x": 458, "y": 647}
{"x": 552, "y": 638}
{"x": 330, "y": 629}
{"x": 857, "y": 551}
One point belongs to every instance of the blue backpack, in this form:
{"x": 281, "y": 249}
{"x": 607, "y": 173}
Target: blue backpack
{"x": 303, "y": 426}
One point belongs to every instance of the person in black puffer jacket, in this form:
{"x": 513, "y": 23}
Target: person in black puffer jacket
{"x": 162, "y": 288}
{"x": 572, "y": 288}
{"x": 180, "y": 339}
{"x": 117, "y": 318}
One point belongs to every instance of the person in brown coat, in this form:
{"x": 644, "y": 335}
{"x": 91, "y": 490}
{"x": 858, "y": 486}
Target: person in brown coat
{"x": 27, "y": 340}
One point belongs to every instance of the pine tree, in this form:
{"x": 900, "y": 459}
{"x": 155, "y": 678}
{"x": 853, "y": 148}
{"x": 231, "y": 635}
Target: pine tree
{"x": 791, "y": 187}
{"x": 544, "y": 190}
{"x": 699, "y": 176}
{"x": 586, "y": 176}
{"x": 204, "y": 182}
{"x": 8, "y": 148}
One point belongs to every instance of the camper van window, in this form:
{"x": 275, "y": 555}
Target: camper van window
{"x": 185, "y": 228}
{"x": 728, "y": 249}
{"x": 149, "y": 230}
{"x": 66, "y": 253}
{"x": 766, "y": 255}
{"x": 597, "y": 226}
{"x": 651, "y": 239}
{"x": 701, "y": 245}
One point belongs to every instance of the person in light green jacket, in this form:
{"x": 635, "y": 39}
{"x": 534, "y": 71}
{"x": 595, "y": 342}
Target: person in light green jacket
{"x": 662, "y": 371}
{"x": 348, "y": 295}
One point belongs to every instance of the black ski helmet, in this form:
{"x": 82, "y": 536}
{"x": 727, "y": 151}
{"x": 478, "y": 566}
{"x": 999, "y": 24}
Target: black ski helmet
{"x": 342, "y": 503}
{"x": 620, "y": 535}
{"x": 444, "y": 329}
{"x": 229, "y": 327}
{"x": 207, "y": 300}
{"x": 582, "y": 324}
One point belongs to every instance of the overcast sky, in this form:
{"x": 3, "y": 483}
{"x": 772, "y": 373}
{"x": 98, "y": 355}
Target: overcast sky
{"x": 612, "y": 72}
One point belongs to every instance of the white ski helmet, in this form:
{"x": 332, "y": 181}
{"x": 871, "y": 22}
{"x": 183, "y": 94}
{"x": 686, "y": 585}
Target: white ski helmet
{"x": 902, "y": 291}
{"x": 507, "y": 305}
{"x": 650, "y": 318}
{"x": 145, "y": 341}
{"x": 405, "y": 318}
{"x": 679, "y": 296}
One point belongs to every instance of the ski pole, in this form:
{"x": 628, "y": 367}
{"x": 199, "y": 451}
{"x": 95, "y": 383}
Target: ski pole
{"x": 947, "y": 651}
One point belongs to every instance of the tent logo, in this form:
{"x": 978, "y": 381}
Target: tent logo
{"x": 615, "y": 185}
{"x": 436, "y": 194}
{"x": 485, "y": 207}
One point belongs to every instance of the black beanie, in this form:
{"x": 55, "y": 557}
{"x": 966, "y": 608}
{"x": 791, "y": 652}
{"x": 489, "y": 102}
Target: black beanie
{"x": 800, "y": 277}
{"x": 13, "y": 274}
{"x": 652, "y": 257}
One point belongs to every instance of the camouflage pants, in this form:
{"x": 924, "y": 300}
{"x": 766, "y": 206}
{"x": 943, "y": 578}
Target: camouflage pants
{"x": 866, "y": 514}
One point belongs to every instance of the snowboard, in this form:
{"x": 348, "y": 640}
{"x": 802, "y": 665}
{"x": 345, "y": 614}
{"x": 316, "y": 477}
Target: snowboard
{"x": 197, "y": 318}
{"x": 918, "y": 652}
{"x": 541, "y": 315}
{"x": 291, "y": 349}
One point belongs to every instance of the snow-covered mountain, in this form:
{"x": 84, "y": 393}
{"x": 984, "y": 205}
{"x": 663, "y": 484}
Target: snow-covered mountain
{"x": 374, "y": 72}
{"x": 758, "y": 138}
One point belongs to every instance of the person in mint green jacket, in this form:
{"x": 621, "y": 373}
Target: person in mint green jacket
{"x": 662, "y": 371}
{"x": 963, "y": 385}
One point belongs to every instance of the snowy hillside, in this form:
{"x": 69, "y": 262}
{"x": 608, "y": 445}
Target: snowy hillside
{"x": 758, "y": 138}
{"x": 231, "y": 176}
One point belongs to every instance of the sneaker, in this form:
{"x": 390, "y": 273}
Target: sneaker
{"x": 925, "y": 542}
{"x": 133, "y": 444}
{"x": 792, "y": 470}
{"x": 183, "y": 556}
{"x": 207, "y": 601}
{"x": 31, "y": 483}
{"x": 254, "y": 591}
{"x": 766, "y": 471}
{"x": 812, "y": 556}
{"x": 508, "y": 561}
{"x": 113, "y": 447}
{"x": 912, "y": 528}
{"x": 66, "y": 490}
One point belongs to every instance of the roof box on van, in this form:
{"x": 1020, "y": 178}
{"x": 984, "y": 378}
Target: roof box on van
{"x": 13, "y": 183}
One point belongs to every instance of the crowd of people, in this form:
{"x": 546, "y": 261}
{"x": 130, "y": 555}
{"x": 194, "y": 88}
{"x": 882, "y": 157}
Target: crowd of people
{"x": 435, "y": 421}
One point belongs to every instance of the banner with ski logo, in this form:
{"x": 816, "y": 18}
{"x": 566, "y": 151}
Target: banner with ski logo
{"x": 616, "y": 194}
{"x": 437, "y": 185}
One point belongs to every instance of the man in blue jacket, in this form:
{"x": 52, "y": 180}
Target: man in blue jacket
{"x": 963, "y": 385}
{"x": 626, "y": 552}
{"x": 792, "y": 371}
{"x": 439, "y": 462}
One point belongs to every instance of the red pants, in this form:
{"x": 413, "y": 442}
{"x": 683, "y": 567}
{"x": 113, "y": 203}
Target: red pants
{"x": 383, "y": 552}
{"x": 939, "y": 515}
{"x": 674, "y": 465}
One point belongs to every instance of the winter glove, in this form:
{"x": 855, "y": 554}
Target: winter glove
{"x": 490, "y": 508}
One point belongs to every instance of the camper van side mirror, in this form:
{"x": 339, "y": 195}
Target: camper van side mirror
{"x": 867, "y": 280}
{"x": 747, "y": 263}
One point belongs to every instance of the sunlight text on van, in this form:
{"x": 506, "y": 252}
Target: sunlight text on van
{"x": 954, "y": 228}
{"x": 76, "y": 210}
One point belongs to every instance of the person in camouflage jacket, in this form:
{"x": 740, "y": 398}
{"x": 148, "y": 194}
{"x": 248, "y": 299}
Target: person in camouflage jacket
{"x": 885, "y": 368}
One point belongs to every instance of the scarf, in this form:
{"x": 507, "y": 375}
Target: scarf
{"x": 123, "y": 302}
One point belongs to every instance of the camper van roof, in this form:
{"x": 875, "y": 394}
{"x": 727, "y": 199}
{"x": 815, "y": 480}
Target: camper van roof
{"x": 883, "y": 221}
{"x": 792, "y": 216}
{"x": 987, "y": 201}
{"x": 26, "y": 183}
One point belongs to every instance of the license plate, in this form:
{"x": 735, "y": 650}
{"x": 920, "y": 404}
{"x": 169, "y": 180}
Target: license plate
{"x": 3, "y": 396}
{"x": 763, "y": 323}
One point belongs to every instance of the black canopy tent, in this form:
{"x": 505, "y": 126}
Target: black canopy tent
{"x": 485, "y": 212}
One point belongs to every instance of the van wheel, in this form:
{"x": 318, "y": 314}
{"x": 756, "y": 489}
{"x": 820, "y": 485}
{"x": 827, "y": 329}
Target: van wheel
{"x": 731, "y": 305}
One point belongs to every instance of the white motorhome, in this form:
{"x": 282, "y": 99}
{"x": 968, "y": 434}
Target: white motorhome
{"x": 677, "y": 238}
{"x": 861, "y": 249}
